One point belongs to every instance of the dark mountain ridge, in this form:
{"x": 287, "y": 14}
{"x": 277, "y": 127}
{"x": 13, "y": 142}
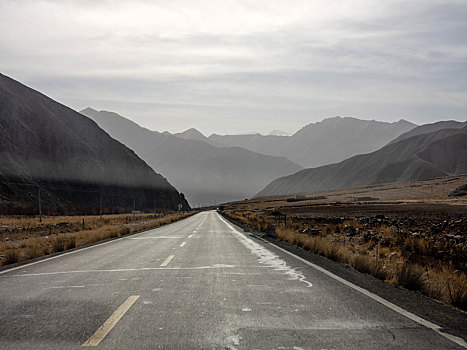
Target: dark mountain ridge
{"x": 424, "y": 156}
{"x": 427, "y": 128}
{"x": 46, "y": 144}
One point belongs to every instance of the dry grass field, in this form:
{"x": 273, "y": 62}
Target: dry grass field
{"x": 406, "y": 236}
{"x": 23, "y": 238}
{"x": 428, "y": 191}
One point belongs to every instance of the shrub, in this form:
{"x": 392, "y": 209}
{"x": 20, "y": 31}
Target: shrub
{"x": 11, "y": 256}
{"x": 409, "y": 276}
{"x": 71, "y": 242}
{"x": 58, "y": 245}
{"x": 331, "y": 251}
{"x": 362, "y": 263}
{"x": 457, "y": 289}
{"x": 34, "y": 250}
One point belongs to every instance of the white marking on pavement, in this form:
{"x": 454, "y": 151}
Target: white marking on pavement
{"x": 234, "y": 339}
{"x": 267, "y": 257}
{"x": 215, "y": 266}
{"x": 160, "y": 237}
{"x": 377, "y": 298}
{"x": 246, "y": 309}
{"x": 181, "y": 245}
{"x": 81, "y": 249}
{"x": 64, "y": 287}
{"x": 190, "y": 236}
{"x": 103, "y": 330}
{"x": 167, "y": 261}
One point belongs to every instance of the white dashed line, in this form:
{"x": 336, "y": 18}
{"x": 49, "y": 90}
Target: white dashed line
{"x": 167, "y": 261}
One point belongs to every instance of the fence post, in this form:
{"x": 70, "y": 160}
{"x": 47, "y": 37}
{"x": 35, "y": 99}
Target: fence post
{"x": 100, "y": 202}
{"x": 39, "y": 204}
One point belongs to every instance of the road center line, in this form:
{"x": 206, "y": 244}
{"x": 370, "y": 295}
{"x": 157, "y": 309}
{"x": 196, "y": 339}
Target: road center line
{"x": 215, "y": 266}
{"x": 103, "y": 330}
{"x": 181, "y": 245}
{"x": 61, "y": 255}
{"x": 166, "y": 261}
{"x": 190, "y": 236}
{"x": 159, "y": 237}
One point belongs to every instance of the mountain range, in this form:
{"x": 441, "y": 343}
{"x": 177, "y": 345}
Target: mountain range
{"x": 419, "y": 154}
{"x": 74, "y": 157}
{"x": 427, "y": 128}
{"x": 329, "y": 141}
{"x": 203, "y": 172}
{"x": 47, "y": 145}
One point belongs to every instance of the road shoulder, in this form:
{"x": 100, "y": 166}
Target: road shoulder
{"x": 452, "y": 320}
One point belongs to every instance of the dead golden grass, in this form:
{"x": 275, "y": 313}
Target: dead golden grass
{"x": 395, "y": 263}
{"x": 23, "y": 238}
{"x": 424, "y": 191}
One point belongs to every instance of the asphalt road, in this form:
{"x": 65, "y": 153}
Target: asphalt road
{"x": 197, "y": 283}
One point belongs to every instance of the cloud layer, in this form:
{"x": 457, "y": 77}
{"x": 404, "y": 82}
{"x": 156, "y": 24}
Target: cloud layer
{"x": 238, "y": 66}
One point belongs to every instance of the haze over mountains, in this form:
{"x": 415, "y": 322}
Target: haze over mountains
{"x": 427, "y": 128}
{"x": 421, "y": 156}
{"x": 204, "y": 173}
{"x": 46, "y": 144}
{"x": 329, "y": 141}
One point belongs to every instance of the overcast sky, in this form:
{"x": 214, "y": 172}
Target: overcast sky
{"x": 239, "y": 66}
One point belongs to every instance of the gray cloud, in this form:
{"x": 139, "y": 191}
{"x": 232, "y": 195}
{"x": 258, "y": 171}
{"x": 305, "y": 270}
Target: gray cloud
{"x": 242, "y": 66}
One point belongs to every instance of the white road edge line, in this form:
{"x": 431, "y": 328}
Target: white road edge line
{"x": 371, "y": 295}
{"x": 181, "y": 245}
{"x": 166, "y": 261}
{"x": 107, "y": 326}
{"x": 80, "y": 250}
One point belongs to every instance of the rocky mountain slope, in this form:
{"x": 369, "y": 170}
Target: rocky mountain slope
{"x": 427, "y": 128}
{"x": 428, "y": 155}
{"x": 48, "y": 145}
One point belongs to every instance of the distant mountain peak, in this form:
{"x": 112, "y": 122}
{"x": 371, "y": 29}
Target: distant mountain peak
{"x": 405, "y": 122}
{"x": 88, "y": 110}
{"x": 191, "y": 134}
{"x": 427, "y": 128}
{"x": 192, "y": 131}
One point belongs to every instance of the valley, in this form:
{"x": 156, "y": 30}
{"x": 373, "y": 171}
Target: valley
{"x": 233, "y": 175}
